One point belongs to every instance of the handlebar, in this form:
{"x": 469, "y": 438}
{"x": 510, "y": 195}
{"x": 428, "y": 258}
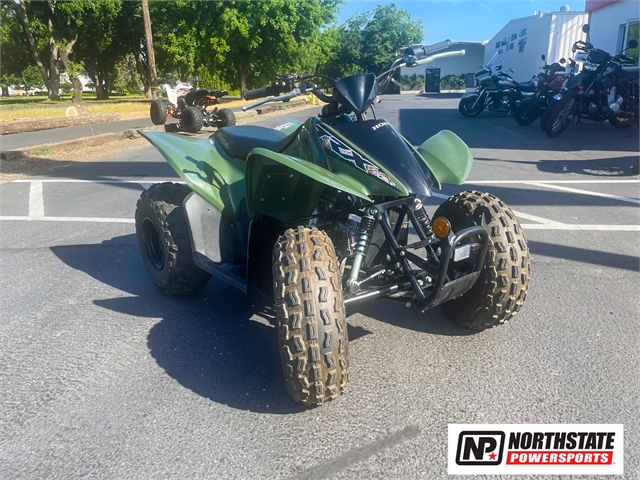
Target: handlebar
{"x": 258, "y": 93}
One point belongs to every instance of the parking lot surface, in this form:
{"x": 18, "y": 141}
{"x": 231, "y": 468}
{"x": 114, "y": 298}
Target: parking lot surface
{"x": 103, "y": 376}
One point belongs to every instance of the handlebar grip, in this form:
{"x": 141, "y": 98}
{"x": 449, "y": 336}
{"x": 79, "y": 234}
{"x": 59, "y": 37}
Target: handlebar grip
{"x": 304, "y": 76}
{"x": 258, "y": 93}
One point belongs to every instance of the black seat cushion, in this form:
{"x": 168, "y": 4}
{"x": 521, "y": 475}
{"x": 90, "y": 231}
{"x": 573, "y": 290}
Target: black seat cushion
{"x": 527, "y": 86}
{"x": 239, "y": 141}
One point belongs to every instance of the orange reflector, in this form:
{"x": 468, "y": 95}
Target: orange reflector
{"x": 441, "y": 227}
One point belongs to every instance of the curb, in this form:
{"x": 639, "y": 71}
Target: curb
{"x": 127, "y": 134}
{"x": 37, "y": 124}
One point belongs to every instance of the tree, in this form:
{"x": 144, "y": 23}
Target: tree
{"x": 367, "y": 42}
{"x": 15, "y": 51}
{"x": 31, "y": 77}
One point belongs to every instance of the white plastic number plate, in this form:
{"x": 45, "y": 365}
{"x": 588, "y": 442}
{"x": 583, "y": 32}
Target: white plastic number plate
{"x": 461, "y": 253}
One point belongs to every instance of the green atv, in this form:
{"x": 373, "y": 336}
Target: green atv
{"x": 318, "y": 215}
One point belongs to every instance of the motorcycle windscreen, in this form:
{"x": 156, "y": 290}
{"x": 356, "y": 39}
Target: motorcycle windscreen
{"x": 356, "y": 92}
{"x": 380, "y": 141}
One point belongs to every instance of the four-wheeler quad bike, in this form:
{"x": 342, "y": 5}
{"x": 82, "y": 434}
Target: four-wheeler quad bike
{"x": 191, "y": 109}
{"x": 318, "y": 215}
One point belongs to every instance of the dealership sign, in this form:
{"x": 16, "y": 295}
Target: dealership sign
{"x": 536, "y": 449}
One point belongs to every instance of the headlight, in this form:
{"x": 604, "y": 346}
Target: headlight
{"x": 590, "y": 66}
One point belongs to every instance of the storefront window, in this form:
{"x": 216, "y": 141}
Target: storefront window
{"x": 633, "y": 35}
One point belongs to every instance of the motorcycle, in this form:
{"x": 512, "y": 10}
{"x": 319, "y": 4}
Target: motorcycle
{"x": 496, "y": 91}
{"x": 549, "y": 83}
{"x": 190, "y": 106}
{"x": 316, "y": 215}
{"x": 604, "y": 90}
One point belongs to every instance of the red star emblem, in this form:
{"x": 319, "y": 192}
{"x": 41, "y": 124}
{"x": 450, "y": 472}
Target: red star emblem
{"x": 492, "y": 456}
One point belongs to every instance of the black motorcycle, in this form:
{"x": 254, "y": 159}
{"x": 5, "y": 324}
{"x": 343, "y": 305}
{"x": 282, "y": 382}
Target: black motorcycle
{"x": 550, "y": 82}
{"x": 496, "y": 91}
{"x": 604, "y": 90}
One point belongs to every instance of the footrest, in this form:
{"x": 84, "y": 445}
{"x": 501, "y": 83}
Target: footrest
{"x": 448, "y": 291}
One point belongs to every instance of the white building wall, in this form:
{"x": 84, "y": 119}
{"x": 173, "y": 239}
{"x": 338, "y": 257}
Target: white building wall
{"x": 524, "y": 40}
{"x": 605, "y": 24}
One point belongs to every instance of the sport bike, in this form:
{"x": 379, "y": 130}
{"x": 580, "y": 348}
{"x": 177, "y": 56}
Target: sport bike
{"x": 604, "y": 90}
{"x": 317, "y": 216}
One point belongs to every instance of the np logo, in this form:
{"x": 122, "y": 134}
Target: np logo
{"x": 480, "y": 447}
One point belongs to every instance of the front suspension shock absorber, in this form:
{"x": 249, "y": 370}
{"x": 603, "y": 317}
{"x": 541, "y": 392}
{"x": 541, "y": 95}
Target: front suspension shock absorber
{"x": 423, "y": 219}
{"x": 367, "y": 225}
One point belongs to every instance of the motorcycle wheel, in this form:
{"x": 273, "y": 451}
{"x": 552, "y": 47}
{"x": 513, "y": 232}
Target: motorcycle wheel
{"x": 311, "y": 316}
{"x": 158, "y": 112}
{"x": 560, "y": 117}
{"x": 191, "y": 120}
{"x": 501, "y": 288}
{"x": 523, "y": 115}
{"x": 545, "y": 115}
{"x": 621, "y": 122}
{"x": 465, "y": 107}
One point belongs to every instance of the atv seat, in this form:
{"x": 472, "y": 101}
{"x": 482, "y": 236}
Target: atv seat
{"x": 239, "y": 141}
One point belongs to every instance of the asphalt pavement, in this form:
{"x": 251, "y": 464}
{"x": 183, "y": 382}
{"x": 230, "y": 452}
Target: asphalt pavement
{"x": 103, "y": 376}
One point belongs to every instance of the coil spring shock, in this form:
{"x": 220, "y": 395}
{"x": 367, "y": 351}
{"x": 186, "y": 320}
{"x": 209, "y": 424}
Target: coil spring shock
{"x": 423, "y": 219}
{"x": 364, "y": 240}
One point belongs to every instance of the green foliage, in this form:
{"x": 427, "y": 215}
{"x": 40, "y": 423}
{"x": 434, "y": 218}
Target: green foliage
{"x": 413, "y": 82}
{"x": 452, "y": 82}
{"x": 66, "y": 87}
{"x": 367, "y": 41}
{"x": 31, "y": 77}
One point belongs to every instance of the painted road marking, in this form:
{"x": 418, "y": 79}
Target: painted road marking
{"x": 585, "y": 192}
{"x": 477, "y": 182}
{"x": 500, "y": 182}
{"x": 36, "y": 201}
{"x": 69, "y": 219}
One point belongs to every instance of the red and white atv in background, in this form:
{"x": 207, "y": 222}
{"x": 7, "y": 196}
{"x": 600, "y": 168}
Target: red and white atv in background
{"x": 190, "y": 106}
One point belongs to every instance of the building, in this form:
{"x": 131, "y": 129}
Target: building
{"x": 466, "y": 65}
{"x": 613, "y": 23}
{"x": 522, "y": 41}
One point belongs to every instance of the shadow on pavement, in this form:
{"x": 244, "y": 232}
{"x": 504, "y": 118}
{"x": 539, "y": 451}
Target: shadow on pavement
{"x": 600, "y": 167}
{"x": 583, "y": 255}
{"x": 218, "y": 344}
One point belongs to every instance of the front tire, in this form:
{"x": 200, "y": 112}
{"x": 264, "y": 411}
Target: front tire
{"x": 524, "y": 114}
{"x": 192, "y": 120}
{"x": 562, "y": 114}
{"x": 158, "y": 112}
{"x": 501, "y": 288}
{"x": 545, "y": 115}
{"x": 226, "y": 118}
{"x": 311, "y": 317}
{"x": 163, "y": 240}
{"x": 465, "y": 107}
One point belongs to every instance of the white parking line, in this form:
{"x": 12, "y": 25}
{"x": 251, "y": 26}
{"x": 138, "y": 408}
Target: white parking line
{"x": 502, "y": 182}
{"x": 68, "y": 219}
{"x": 569, "y": 226}
{"x": 36, "y": 201}
{"x": 584, "y": 192}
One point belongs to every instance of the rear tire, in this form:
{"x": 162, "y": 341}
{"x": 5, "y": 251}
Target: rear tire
{"x": 311, "y": 317}
{"x": 226, "y": 118}
{"x": 523, "y": 115}
{"x": 163, "y": 239}
{"x": 562, "y": 114}
{"x": 158, "y": 112}
{"x": 191, "y": 120}
{"x": 464, "y": 107}
{"x": 501, "y": 288}
{"x": 545, "y": 115}
{"x": 621, "y": 122}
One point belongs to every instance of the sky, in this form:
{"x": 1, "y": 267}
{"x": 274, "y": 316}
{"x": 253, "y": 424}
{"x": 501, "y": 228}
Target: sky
{"x": 466, "y": 20}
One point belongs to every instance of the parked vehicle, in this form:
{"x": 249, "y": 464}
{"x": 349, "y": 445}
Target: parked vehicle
{"x": 316, "y": 215}
{"x": 190, "y": 106}
{"x": 496, "y": 91}
{"x": 604, "y": 90}
{"x": 549, "y": 83}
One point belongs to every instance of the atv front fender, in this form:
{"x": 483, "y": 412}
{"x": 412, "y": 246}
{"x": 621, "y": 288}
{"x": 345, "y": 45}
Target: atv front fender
{"x": 448, "y": 158}
{"x": 287, "y": 188}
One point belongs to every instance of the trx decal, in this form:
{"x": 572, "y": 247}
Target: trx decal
{"x": 341, "y": 150}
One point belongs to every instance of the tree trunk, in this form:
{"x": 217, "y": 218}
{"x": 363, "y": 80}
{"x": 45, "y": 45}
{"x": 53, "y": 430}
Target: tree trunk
{"x": 64, "y": 52}
{"x": 5, "y": 91}
{"x": 142, "y": 71}
{"x": 21, "y": 12}
{"x": 243, "y": 73}
{"x": 77, "y": 90}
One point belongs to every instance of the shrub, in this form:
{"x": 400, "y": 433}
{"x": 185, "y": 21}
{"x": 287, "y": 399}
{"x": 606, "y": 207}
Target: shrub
{"x": 452, "y": 82}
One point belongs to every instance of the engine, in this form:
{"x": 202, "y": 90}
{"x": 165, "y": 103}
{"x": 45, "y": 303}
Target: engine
{"x": 614, "y": 101}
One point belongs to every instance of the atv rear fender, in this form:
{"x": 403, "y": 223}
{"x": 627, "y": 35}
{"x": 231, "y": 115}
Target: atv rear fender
{"x": 448, "y": 158}
{"x": 287, "y": 188}
{"x": 219, "y": 180}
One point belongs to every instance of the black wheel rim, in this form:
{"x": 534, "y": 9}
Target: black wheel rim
{"x": 152, "y": 243}
{"x": 563, "y": 117}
